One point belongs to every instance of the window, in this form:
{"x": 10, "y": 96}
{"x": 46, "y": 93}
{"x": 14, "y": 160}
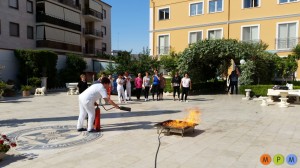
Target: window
{"x": 14, "y": 29}
{"x": 103, "y": 47}
{"x": 164, "y": 14}
{"x": 195, "y": 36}
{"x": 196, "y": 9}
{"x": 287, "y": 35}
{"x": 29, "y": 32}
{"x": 215, "y": 34}
{"x": 287, "y": 1}
{"x": 163, "y": 44}
{"x": 14, "y": 4}
{"x": 251, "y": 3}
{"x": 215, "y": 6}
{"x": 250, "y": 34}
{"x": 29, "y": 7}
{"x": 104, "y": 13}
{"x": 103, "y": 30}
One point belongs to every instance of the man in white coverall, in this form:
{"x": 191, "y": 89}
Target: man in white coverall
{"x": 87, "y": 101}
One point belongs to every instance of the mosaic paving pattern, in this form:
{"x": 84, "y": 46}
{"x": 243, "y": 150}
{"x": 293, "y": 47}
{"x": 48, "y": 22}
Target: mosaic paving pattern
{"x": 51, "y": 137}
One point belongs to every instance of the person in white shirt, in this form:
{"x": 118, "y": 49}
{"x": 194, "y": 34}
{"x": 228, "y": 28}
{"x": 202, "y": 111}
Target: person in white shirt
{"x": 186, "y": 85}
{"x": 146, "y": 85}
{"x": 87, "y": 101}
{"x": 120, "y": 82}
{"x": 128, "y": 86}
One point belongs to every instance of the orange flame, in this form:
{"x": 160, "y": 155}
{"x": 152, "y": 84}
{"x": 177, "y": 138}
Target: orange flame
{"x": 190, "y": 120}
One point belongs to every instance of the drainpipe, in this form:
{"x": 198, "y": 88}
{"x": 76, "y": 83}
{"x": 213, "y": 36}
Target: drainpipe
{"x": 228, "y": 19}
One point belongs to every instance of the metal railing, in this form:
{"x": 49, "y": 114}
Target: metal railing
{"x": 163, "y": 50}
{"x": 94, "y": 32}
{"x": 88, "y": 11}
{"x": 58, "y": 45}
{"x": 91, "y": 50}
{"x": 286, "y": 43}
{"x": 67, "y": 3}
{"x": 40, "y": 17}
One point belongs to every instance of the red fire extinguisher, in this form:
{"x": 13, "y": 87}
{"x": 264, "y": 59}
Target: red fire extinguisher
{"x": 97, "y": 119}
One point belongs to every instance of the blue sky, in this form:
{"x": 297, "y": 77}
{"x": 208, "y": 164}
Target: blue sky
{"x": 130, "y": 24}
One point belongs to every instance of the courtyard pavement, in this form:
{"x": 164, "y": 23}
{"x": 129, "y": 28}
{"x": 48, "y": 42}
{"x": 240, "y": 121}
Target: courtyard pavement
{"x": 232, "y": 133}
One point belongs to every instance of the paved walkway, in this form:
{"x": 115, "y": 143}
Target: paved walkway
{"x": 233, "y": 133}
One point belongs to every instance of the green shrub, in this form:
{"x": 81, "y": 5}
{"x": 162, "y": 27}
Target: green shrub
{"x": 260, "y": 90}
{"x": 35, "y": 81}
{"x": 26, "y": 87}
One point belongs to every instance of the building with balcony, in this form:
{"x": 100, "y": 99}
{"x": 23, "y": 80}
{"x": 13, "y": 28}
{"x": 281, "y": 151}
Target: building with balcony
{"x": 174, "y": 24}
{"x": 63, "y": 26}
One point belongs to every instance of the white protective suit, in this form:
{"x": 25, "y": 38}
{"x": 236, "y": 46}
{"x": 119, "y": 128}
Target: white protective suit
{"x": 86, "y": 104}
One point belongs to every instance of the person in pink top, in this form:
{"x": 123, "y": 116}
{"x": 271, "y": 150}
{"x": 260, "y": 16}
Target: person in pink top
{"x": 138, "y": 82}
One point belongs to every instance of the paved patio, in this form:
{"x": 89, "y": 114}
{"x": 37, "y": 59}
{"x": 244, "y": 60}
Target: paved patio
{"x": 233, "y": 133}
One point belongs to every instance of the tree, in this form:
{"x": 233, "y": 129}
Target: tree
{"x": 75, "y": 65}
{"x": 248, "y": 71}
{"x": 207, "y": 59}
{"x": 286, "y": 67}
{"x": 169, "y": 62}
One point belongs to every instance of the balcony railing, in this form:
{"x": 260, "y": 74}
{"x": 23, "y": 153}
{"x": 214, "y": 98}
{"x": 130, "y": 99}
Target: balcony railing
{"x": 56, "y": 21}
{"x": 252, "y": 41}
{"x": 66, "y": 2}
{"x": 163, "y": 50}
{"x": 88, "y": 11}
{"x": 286, "y": 43}
{"x": 93, "y": 32}
{"x": 58, "y": 45}
{"x": 91, "y": 51}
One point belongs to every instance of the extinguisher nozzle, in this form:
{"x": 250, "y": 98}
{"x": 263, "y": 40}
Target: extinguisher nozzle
{"x": 125, "y": 108}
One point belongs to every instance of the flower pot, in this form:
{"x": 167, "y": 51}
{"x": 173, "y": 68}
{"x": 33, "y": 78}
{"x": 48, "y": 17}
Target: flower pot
{"x": 26, "y": 93}
{"x": 2, "y": 155}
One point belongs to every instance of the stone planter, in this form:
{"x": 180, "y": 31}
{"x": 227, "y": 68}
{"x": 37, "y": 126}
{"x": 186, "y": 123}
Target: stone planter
{"x": 2, "y": 155}
{"x": 26, "y": 93}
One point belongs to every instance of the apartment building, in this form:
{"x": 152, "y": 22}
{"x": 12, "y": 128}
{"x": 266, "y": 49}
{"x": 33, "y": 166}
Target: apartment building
{"x": 63, "y": 26}
{"x": 174, "y": 24}
{"x": 17, "y": 24}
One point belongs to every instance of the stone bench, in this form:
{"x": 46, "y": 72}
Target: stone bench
{"x": 72, "y": 88}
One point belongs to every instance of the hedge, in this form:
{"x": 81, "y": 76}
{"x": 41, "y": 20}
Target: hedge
{"x": 258, "y": 90}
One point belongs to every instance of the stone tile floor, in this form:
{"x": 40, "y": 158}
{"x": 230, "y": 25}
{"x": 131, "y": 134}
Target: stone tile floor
{"x": 233, "y": 133}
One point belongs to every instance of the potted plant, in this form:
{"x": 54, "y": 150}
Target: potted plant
{"x": 26, "y": 90}
{"x": 5, "y": 145}
{"x": 2, "y": 87}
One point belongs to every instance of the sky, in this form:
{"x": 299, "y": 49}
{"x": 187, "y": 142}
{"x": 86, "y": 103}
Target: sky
{"x": 130, "y": 24}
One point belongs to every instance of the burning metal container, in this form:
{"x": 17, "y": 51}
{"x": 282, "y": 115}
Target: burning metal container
{"x": 175, "y": 126}
{"x": 180, "y": 126}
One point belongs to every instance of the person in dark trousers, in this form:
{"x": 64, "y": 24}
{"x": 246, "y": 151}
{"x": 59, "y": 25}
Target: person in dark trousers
{"x": 146, "y": 85}
{"x": 233, "y": 81}
{"x": 155, "y": 85}
{"x": 82, "y": 84}
{"x": 186, "y": 85}
{"x": 176, "y": 80}
{"x": 138, "y": 82}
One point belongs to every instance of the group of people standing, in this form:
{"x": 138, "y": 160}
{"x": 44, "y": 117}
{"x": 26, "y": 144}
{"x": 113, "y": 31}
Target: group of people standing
{"x": 157, "y": 86}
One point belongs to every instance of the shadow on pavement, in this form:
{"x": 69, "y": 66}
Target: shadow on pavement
{"x": 20, "y": 122}
{"x": 127, "y": 126}
{"x": 8, "y": 159}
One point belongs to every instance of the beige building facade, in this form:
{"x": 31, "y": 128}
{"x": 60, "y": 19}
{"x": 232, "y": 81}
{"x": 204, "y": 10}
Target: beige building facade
{"x": 174, "y": 24}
